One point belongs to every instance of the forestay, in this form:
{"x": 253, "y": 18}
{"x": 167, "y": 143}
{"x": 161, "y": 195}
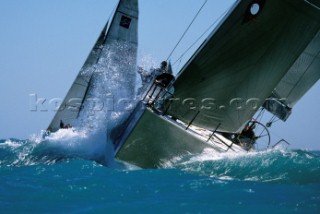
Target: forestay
{"x": 243, "y": 60}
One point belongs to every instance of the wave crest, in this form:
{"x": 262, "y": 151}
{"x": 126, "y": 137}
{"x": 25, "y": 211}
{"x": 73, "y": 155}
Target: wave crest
{"x": 59, "y": 146}
{"x": 269, "y": 166}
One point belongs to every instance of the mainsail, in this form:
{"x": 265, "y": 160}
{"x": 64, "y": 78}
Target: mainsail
{"x": 242, "y": 62}
{"x": 122, "y": 28}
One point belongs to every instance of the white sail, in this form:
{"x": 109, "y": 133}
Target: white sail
{"x": 115, "y": 49}
{"x": 71, "y": 105}
{"x": 304, "y": 73}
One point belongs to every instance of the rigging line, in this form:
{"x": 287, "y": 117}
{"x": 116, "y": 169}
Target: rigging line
{"x": 197, "y": 40}
{"x": 206, "y": 31}
{"x": 272, "y": 120}
{"x": 275, "y": 135}
{"x": 311, "y": 4}
{"x": 260, "y": 115}
{"x": 205, "y": 2}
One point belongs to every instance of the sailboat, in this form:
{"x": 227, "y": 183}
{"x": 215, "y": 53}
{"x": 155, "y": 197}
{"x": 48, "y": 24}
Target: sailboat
{"x": 255, "y": 60}
{"x": 109, "y": 69}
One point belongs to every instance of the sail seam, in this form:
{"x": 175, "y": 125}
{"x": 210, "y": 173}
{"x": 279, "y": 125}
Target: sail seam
{"x": 311, "y": 4}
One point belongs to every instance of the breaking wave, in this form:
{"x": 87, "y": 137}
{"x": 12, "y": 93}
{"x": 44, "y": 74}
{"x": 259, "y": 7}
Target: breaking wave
{"x": 90, "y": 138}
{"x": 276, "y": 165}
{"x": 62, "y": 145}
{"x": 89, "y": 142}
{"x": 108, "y": 103}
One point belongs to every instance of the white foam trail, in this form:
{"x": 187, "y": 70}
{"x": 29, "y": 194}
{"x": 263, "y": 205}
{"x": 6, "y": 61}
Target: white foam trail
{"x": 213, "y": 155}
{"x": 10, "y": 143}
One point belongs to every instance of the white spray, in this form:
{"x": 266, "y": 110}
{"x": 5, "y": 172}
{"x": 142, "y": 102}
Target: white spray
{"x": 110, "y": 98}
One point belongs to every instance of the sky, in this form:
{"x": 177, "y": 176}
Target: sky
{"x": 44, "y": 43}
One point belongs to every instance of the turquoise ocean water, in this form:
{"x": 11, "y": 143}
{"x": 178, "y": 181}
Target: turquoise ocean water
{"x": 47, "y": 177}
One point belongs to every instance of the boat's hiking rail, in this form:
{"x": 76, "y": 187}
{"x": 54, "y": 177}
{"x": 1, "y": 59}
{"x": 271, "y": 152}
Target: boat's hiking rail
{"x": 214, "y": 139}
{"x": 160, "y": 91}
{"x": 233, "y": 141}
{"x": 280, "y": 143}
{"x": 159, "y": 97}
